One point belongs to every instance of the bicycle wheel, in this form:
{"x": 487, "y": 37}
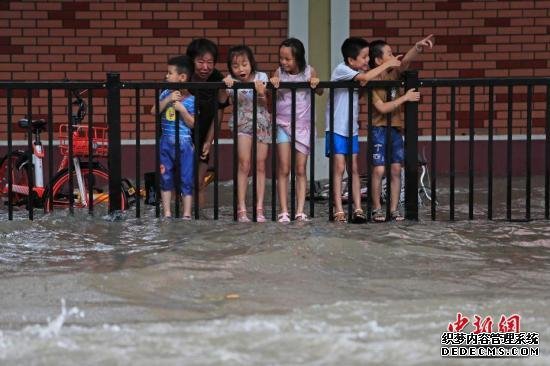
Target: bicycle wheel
{"x": 20, "y": 176}
{"x": 61, "y": 195}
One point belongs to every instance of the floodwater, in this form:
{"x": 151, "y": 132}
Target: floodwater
{"x": 80, "y": 290}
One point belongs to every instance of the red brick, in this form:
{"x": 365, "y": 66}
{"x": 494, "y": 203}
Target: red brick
{"x": 129, "y": 58}
{"x": 114, "y": 50}
{"x": 137, "y": 15}
{"x": 11, "y": 50}
{"x": 497, "y": 22}
{"x": 447, "y": 6}
{"x": 460, "y": 48}
{"x": 461, "y": 40}
{"x": 78, "y": 5}
{"x": 368, "y": 24}
{"x": 520, "y": 64}
{"x": 132, "y": 6}
{"x": 61, "y": 14}
{"x": 102, "y": 24}
{"x": 166, "y": 32}
{"x": 155, "y": 24}
{"x": 73, "y": 23}
{"x": 472, "y": 73}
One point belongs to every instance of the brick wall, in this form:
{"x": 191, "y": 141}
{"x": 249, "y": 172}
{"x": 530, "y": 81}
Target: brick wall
{"x": 83, "y": 40}
{"x": 53, "y": 40}
{"x": 473, "y": 39}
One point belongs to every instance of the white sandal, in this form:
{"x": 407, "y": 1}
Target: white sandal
{"x": 301, "y": 217}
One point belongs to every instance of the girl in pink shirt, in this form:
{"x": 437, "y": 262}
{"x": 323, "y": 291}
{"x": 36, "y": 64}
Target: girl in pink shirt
{"x": 293, "y": 68}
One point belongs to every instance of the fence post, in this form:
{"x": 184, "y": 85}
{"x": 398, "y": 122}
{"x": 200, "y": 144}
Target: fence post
{"x": 411, "y": 149}
{"x": 114, "y": 159}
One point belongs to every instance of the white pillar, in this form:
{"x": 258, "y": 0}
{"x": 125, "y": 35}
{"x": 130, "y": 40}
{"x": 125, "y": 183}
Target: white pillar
{"x": 339, "y": 29}
{"x": 298, "y": 21}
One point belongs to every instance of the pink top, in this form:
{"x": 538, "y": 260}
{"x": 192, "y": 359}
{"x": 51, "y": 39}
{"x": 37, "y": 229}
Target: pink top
{"x": 303, "y": 108}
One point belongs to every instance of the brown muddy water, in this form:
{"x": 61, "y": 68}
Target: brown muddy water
{"x": 80, "y": 290}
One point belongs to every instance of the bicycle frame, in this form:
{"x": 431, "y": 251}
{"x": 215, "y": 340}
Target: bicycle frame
{"x": 28, "y": 166}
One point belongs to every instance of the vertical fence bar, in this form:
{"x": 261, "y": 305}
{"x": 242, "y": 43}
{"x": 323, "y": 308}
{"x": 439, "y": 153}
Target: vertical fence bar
{"x": 235, "y": 151}
{"x": 254, "y": 155}
{"x": 471, "y": 155}
{"x": 388, "y": 158}
{"x": 331, "y": 156}
{"x": 177, "y": 166}
{"x": 157, "y": 154}
{"x": 10, "y": 152}
{"x": 490, "y": 155}
{"x": 70, "y": 151}
{"x": 452, "y": 156}
{"x": 90, "y": 153}
{"x": 433, "y": 182}
{"x": 547, "y": 158}
{"x": 30, "y": 147}
{"x": 349, "y": 155}
{"x": 113, "y": 117}
{"x": 529, "y": 153}
{"x": 293, "y": 154}
{"x": 197, "y": 151}
{"x": 370, "y": 148}
{"x": 274, "y": 155}
{"x": 411, "y": 149}
{"x": 509, "y": 157}
{"x": 216, "y": 158}
{"x": 50, "y": 145}
{"x": 138, "y": 153}
{"x": 312, "y": 156}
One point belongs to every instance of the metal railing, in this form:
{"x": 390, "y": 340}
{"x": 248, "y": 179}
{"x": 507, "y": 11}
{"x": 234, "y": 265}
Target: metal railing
{"x": 113, "y": 87}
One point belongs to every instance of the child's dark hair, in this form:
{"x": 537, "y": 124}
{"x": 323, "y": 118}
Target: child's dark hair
{"x": 241, "y": 50}
{"x": 201, "y": 46}
{"x": 376, "y": 50}
{"x": 182, "y": 64}
{"x": 298, "y": 51}
{"x": 352, "y": 47}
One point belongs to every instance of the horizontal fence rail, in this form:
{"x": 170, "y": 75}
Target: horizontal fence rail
{"x": 461, "y": 100}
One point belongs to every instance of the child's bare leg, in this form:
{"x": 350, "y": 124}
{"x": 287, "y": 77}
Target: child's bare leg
{"x": 261, "y": 157}
{"x": 376, "y": 179}
{"x": 283, "y": 170}
{"x": 356, "y": 182}
{"x": 339, "y": 167}
{"x": 166, "y": 197}
{"x": 187, "y": 203}
{"x": 301, "y": 181}
{"x": 245, "y": 145}
{"x": 395, "y": 186}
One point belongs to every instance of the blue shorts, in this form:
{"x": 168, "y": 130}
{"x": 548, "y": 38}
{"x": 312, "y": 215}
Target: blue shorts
{"x": 341, "y": 144}
{"x": 168, "y": 162}
{"x": 379, "y": 146}
{"x": 282, "y": 136}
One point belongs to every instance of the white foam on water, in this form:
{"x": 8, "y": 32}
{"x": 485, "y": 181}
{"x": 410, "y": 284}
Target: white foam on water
{"x": 53, "y": 328}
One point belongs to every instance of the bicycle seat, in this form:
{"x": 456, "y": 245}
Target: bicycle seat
{"x": 37, "y": 125}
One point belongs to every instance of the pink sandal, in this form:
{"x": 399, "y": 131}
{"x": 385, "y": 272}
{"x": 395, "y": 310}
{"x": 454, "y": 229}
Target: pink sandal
{"x": 241, "y": 216}
{"x": 283, "y": 217}
{"x": 260, "y": 215}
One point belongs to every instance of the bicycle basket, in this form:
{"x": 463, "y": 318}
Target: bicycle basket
{"x": 81, "y": 138}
